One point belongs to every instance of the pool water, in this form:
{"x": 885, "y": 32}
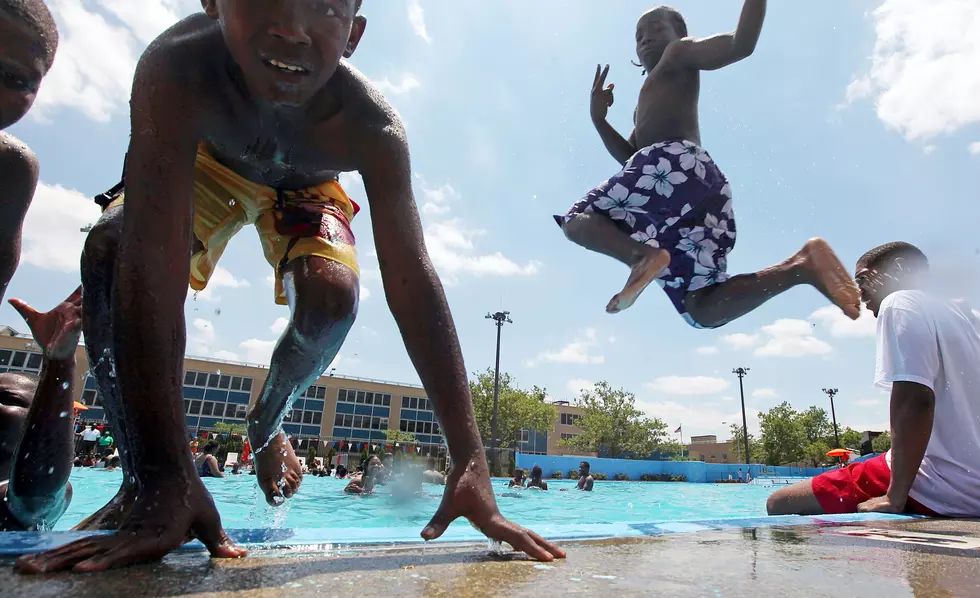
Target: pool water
{"x": 321, "y": 503}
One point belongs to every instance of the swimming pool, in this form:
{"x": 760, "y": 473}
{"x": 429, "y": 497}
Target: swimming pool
{"x": 321, "y": 503}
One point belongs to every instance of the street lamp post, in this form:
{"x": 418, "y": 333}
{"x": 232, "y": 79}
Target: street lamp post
{"x": 832, "y": 392}
{"x": 499, "y": 318}
{"x": 741, "y": 373}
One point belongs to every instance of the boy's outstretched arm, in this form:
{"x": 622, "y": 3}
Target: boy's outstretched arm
{"x": 38, "y": 492}
{"x": 721, "y": 50}
{"x": 419, "y": 306}
{"x": 18, "y": 178}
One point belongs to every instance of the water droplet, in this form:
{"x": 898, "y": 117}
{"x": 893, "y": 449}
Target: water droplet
{"x": 63, "y": 414}
{"x": 64, "y": 385}
{"x": 231, "y": 202}
{"x": 50, "y": 470}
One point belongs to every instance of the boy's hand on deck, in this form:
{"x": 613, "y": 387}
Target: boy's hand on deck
{"x": 469, "y": 494}
{"x": 602, "y": 96}
{"x": 881, "y": 504}
{"x": 56, "y": 331}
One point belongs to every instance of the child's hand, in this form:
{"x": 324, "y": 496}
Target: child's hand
{"x": 58, "y": 330}
{"x": 602, "y": 97}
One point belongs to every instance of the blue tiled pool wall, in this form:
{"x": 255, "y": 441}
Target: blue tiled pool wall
{"x": 694, "y": 471}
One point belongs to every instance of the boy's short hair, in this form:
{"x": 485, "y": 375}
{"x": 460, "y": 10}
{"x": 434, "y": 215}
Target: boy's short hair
{"x": 675, "y": 15}
{"x": 910, "y": 254}
{"x": 37, "y": 17}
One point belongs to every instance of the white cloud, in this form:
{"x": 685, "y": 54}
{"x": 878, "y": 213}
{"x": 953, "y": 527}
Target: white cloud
{"x": 226, "y": 355}
{"x": 258, "y": 351}
{"x": 270, "y": 280}
{"x": 611, "y": 340}
{"x": 51, "y": 237}
{"x": 765, "y": 393}
{"x": 388, "y": 87}
{"x": 365, "y": 293}
{"x": 869, "y": 402}
{"x": 99, "y": 44}
{"x": 436, "y": 201}
{"x": 791, "y": 338}
{"x": 741, "y": 341}
{"x": 699, "y": 419}
{"x": 580, "y": 351}
{"x": 451, "y": 248}
{"x": 416, "y": 17}
{"x": 841, "y": 326}
{"x": 710, "y": 350}
{"x": 975, "y": 148}
{"x": 688, "y": 386}
{"x": 220, "y": 278}
{"x": 726, "y": 399}
{"x": 279, "y": 325}
{"x": 923, "y": 77}
{"x": 201, "y": 337}
{"x": 577, "y": 385}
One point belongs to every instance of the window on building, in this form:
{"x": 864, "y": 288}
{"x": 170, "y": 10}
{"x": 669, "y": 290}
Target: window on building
{"x": 246, "y": 384}
{"x": 195, "y": 407}
{"x": 565, "y": 436}
{"x": 224, "y": 382}
{"x": 213, "y": 380}
{"x": 19, "y": 358}
{"x": 570, "y": 419}
{"x": 525, "y": 436}
{"x": 5, "y": 357}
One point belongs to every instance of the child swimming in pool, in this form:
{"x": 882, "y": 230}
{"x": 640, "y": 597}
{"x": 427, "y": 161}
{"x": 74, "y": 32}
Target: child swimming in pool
{"x": 363, "y": 483}
{"x": 246, "y": 114}
{"x": 668, "y": 214}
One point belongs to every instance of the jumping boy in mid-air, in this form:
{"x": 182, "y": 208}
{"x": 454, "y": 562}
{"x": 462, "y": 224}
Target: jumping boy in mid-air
{"x": 28, "y": 41}
{"x": 668, "y": 214}
{"x": 246, "y": 115}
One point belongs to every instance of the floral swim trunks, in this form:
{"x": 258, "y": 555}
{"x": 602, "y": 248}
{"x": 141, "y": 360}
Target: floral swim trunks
{"x": 671, "y": 195}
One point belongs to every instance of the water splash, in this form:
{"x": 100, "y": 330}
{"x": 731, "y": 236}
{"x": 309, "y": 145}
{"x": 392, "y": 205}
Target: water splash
{"x": 496, "y": 547}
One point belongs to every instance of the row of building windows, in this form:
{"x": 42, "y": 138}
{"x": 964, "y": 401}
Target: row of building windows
{"x": 315, "y": 392}
{"x": 14, "y": 361}
{"x": 363, "y": 397}
{"x": 570, "y": 419}
{"x": 421, "y": 427}
{"x": 302, "y": 416}
{"x": 213, "y": 409}
{"x": 417, "y": 403}
{"x": 364, "y": 422}
{"x": 219, "y": 380}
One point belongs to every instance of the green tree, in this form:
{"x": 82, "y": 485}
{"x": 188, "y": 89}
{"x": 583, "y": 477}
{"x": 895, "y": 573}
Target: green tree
{"x": 816, "y": 425}
{"x": 395, "y": 435}
{"x": 782, "y": 435}
{"x": 850, "y": 439}
{"x": 612, "y": 421}
{"x": 882, "y": 443}
{"x": 517, "y": 409}
{"x": 736, "y": 446}
{"x": 815, "y": 453}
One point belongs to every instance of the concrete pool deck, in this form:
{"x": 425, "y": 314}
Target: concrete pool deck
{"x": 886, "y": 557}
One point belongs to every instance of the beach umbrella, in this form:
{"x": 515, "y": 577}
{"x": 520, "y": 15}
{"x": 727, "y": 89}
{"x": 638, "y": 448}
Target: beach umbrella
{"x": 838, "y": 453}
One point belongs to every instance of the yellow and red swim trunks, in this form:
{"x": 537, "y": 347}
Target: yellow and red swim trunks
{"x": 291, "y": 224}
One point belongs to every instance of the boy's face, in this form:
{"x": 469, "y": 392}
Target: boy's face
{"x": 287, "y": 49}
{"x": 654, "y": 31}
{"x": 16, "y": 395}
{"x": 21, "y": 69}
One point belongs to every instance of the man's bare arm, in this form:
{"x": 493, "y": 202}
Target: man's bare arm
{"x": 153, "y": 264}
{"x": 18, "y": 177}
{"x": 912, "y": 409}
{"x": 717, "y": 51}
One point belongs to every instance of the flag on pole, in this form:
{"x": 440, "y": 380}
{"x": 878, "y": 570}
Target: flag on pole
{"x": 678, "y": 430}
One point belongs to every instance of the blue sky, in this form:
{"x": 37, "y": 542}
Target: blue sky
{"x": 857, "y": 123}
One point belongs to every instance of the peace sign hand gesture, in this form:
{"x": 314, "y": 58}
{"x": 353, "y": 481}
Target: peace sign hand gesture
{"x": 602, "y": 96}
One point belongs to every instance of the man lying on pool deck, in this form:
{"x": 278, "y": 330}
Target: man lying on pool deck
{"x": 928, "y": 356}
{"x": 247, "y": 114}
{"x": 36, "y": 438}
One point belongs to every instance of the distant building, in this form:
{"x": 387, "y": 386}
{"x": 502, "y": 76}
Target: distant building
{"x": 866, "y": 439}
{"x": 709, "y": 450}
{"x": 707, "y": 439}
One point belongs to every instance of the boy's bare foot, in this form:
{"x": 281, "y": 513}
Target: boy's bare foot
{"x": 113, "y": 514}
{"x": 166, "y": 514}
{"x": 830, "y": 277}
{"x": 277, "y": 470}
{"x": 645, "y": 271}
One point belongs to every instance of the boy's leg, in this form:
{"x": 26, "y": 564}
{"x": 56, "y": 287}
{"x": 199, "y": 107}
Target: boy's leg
{"x": 97, "y": 267}
{"x": 323, "y": 296}
{"x": 598, "y": 233}
{"x": 797, "y": 499}
{"x": 815, "y": 264}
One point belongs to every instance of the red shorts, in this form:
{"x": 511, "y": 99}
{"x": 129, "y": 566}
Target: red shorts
{"x": 842, "y": 490}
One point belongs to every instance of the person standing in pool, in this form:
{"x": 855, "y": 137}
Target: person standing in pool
{"x": 247, "y": 114}
{"x": 36, "y": 438}
{"x": 28, "y": 42}
{"x": 928, "y": 356}
{"x": 585, "y": 481}
{"x": 536, "y": 480}
{"x": 668, "y": 214}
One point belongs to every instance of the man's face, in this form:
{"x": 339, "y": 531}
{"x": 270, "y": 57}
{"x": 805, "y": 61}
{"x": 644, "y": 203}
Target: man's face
{"x": 654, "y": 31}
{"x": 287, "y": 49}
{"x": 583, "y": 469}
{"x": 21, "y": 69}
{"x": 873, "y": 285}
{"x": 16, "y": 394}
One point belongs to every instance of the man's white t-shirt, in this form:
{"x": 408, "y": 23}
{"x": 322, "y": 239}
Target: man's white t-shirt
{"x": 90, "y": 435}
{"x": 936, "y": 343}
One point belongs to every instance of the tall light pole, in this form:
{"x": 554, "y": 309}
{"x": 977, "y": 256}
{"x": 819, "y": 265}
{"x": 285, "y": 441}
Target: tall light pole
{"x": 741, "y": 373}
{"x": 499, "y": 318}
{"x": 832, "y": 392}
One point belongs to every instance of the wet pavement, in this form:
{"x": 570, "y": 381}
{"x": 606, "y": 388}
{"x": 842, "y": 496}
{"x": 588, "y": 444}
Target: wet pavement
{"x": 921, "y": 558}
